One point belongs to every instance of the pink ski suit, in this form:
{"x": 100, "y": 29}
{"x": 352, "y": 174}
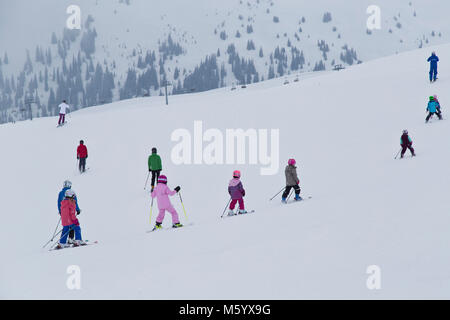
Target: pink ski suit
{"x": 162, "y": 193}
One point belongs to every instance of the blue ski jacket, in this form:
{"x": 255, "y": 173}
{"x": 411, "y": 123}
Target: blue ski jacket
{"x": 61, "y": 197}
{"x": 432, "y": 105}
{"x": 433, "y": 60}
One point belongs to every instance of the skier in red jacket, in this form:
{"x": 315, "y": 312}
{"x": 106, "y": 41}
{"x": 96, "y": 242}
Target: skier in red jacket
{"x": 82, "y": 155}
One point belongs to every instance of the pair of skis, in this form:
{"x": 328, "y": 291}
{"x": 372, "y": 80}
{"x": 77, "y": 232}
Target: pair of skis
{"x": 293, "y": 201}
{"x": 87, "y": 243}
{"x": 238, "y": 214}
{"x": 171, "y": 228}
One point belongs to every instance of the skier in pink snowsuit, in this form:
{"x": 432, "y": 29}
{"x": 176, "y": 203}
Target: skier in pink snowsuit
{"x": 162, "y": 193}
{"x": 237, "y": 192}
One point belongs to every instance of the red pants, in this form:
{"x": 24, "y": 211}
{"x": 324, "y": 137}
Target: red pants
{"x": 62, "y": 118}
{"x": 241, "y": 204}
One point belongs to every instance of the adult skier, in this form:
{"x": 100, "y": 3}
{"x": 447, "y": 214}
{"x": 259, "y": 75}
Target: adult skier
{"x": 82, "y": 155}
{"x": 406, "y": 143}
{"x": 432, "y": 109}
{"x": 68, "y": 186}
{"x": 154, "y": 166}
{"x": 162, "y": 193}
{"x": 69, "y": 221}
{"x": 292, "y": 181}
{"x": 433, "y": 60}
{"x": 237, "y": 193}
{"x": 63, "y": 107}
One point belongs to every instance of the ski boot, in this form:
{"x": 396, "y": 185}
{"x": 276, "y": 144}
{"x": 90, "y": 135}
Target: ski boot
{"x": 243, "y": 211}
{"x": 177, "y": 225}
{"x": 79, "y": 243}
{"x": 298, "y": 198}
{"x": 231, "y": 213}
{"x": 158, "y": 226}
{"x": 283, "y": 200}
{"x": 61, "y": 246}
{"x": 70, "y": 241}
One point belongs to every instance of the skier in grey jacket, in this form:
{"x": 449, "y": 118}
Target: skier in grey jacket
{"x": 292, "y": 181}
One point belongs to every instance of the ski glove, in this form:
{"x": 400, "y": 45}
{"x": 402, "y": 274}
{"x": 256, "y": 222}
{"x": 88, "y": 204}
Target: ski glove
{"x": 78, "y": 212}
{"x": 76, "y": 222}
{"x": 177, "y": 189}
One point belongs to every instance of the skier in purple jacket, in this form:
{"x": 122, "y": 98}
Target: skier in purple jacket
{"x": 237, "y": 192}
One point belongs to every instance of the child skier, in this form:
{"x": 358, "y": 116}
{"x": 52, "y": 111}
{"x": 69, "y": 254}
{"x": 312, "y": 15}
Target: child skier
{"x": 67, "y": 186}
{"x": 154, "y": 166}
{"x": 237, "y": 192}
{"x": 69, "y": 221}
{"x": 406, "y": 143}
{"x": 292, "y": 181}
{"x": 82, "y": 155}
{"x": 162, "y": 193}
{"x": 433, "y": 60}
{"x": 432, "y": 109}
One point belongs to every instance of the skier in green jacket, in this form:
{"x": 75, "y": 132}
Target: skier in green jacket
{"x": 154, "y": 166}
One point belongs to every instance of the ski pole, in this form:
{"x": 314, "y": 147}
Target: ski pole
{"x": 151, "y": 209}
{"x": 225, "y": 208}
{"x": 53, "y": 237}
{"x": 290, "y": 194}
{"x": 398, "y": 153}
{"x": 146, "y": 181}
{"x": 70, "y": 229}
{"x": 181, "y": 199}
{"x": 276, "y": 194}
{"x": 54, "y": 233}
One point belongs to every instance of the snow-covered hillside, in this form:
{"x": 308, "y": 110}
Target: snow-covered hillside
{"x": 123, "y": 48}
{"x": 342, "y": 127}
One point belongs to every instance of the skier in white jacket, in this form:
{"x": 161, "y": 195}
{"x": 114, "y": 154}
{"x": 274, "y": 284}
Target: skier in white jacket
{"x": 63, "y": 107}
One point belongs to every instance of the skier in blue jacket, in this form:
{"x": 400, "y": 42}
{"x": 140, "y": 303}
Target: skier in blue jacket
{"x": 61, "y": 196}
{"x": 432, "y": 109}
{"x": 433, "y": 60}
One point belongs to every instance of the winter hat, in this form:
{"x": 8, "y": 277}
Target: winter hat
{"x": 435, "y": 97}
{"x": 405, "y": 131}
{"x": 431, "y": 98}
{"x": 67, "y": 184}
{"x": 162, "y": 179}
{"x": 154, "y": 150}
{"x": 236, "y": 174}
{"x": 292, "y": 162}
{"x": 70, "y": 194}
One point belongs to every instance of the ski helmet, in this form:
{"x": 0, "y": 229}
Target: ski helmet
{"x": 292, "y": 162}
{"x": 70, "y": 194}
{"x": 431, "y": 98}
{"x": 405, "y": 131}
{"x": 162, "y": 179}
{"x": 154, "y": 150}
{"x": 81, "y": 142}
{"x": 67, "y": 184}
{"x": 236, "y": 174}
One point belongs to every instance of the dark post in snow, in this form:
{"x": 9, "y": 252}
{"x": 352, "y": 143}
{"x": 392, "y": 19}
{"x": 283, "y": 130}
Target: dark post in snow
{"x": 29, "y": 102}
{"x": 166, "y": 83}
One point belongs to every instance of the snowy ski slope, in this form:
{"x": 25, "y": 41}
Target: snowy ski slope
{"x": 342, "y": 127}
